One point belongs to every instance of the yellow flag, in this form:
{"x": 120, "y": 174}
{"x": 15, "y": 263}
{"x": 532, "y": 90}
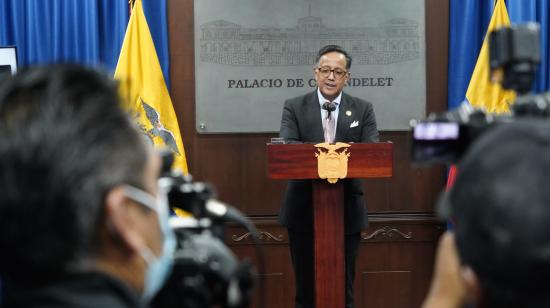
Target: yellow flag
{"x": 482, "y": 93}
{"x": 143, "y": 87}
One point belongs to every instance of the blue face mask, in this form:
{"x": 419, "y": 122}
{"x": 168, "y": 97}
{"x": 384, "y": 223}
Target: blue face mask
{"x": 158, "y": 267}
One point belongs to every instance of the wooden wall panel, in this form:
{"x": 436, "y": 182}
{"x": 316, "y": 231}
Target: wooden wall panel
{"x": 262, "y": 196}
{"x": 395, "y": 243}
{"x": 278, "y": 274}
{"x": 397, "y": 283}
{"x": 390, "y": 247}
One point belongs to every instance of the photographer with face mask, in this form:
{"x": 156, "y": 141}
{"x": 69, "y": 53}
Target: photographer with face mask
{"x": 83, "y": 222}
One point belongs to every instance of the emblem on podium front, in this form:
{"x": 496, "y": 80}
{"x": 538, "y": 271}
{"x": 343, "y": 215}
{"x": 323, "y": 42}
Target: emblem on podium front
{"x": 332, "y": 161}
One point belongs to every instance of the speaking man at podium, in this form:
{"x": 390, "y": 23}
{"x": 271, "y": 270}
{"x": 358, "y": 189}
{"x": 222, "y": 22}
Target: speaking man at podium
{"x": 325, "y": 115}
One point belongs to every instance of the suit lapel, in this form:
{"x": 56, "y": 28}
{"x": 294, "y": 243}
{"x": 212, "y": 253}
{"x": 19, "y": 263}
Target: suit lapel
{"x": 313, "y": 116}
{"x": 344, "y": 120}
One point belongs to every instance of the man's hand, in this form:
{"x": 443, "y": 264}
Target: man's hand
{"x": 447, "y": 289}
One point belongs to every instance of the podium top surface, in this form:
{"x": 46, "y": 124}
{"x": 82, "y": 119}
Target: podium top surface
{"x": 298, "y": 160}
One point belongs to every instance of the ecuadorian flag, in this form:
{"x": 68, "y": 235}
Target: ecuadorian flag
{"x": 144, "y": 90}
{"x": 482, "y": 93}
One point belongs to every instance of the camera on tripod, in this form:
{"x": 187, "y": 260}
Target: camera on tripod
{"x": 206, "y": 273}
{"x": 514, "y": 54}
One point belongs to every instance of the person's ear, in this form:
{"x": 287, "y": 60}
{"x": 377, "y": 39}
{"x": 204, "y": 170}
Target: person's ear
{"x": 316, "y": 75}
{"x": 471, "y": 283}
{"x": 120, "y": 219}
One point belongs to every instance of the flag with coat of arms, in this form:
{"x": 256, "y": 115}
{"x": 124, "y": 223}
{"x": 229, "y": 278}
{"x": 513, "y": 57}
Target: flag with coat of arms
{"x": 143, "y": 88}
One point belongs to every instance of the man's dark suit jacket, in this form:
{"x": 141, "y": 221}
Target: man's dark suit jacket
{"x": 301, "y": 122}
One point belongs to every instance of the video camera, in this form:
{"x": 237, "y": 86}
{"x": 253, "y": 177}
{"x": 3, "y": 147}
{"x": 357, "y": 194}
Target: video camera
{"x": 514, "y": 53}
{"x": 206, "y": 273}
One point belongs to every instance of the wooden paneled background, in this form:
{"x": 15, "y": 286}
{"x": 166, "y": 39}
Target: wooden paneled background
{"x": 397, "y": 251}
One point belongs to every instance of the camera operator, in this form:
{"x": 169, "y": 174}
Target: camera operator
{"x": 499, "y": 254}
{"x": 82, "y": 221}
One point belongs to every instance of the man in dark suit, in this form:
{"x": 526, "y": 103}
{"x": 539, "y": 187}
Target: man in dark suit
{"x": 325, "y": 115}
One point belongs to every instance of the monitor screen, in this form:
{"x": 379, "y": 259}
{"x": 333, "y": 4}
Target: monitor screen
{"x": 436, "y": 131}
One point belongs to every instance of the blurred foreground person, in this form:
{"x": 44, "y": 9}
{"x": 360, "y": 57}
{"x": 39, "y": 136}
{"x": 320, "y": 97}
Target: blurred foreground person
{"x": 82, "y": 221}
{"x": 499, "y": 254}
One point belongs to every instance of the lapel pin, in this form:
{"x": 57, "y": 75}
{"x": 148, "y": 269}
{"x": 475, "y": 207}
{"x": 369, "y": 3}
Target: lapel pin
{"x": 348, "y": 113}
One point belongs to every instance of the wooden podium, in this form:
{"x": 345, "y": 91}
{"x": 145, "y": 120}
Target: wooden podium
{"x": 298, "y": 161}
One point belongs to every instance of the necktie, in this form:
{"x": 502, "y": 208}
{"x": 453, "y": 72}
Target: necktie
{"x": 329, "y": 127}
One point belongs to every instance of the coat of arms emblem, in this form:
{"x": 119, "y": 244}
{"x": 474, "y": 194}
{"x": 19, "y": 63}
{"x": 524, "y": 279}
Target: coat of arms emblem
{"x": 332, "y": 161}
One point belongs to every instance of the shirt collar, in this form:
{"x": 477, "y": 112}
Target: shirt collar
{"x": 322, "y": 99}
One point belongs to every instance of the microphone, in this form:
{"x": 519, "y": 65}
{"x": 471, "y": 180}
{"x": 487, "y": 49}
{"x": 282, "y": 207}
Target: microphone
{"x": 217, "y": 209}
{"x": 329, "y": 107}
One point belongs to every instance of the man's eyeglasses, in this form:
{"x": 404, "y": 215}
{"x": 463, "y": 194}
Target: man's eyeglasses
{"x": 325, "y": 72}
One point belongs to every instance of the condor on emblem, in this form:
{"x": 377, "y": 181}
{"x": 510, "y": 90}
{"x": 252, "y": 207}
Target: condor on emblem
{"x": 332, "y": 161}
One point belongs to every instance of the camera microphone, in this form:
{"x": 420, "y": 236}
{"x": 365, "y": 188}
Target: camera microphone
{"x": 198, "y": 199}
{"x": 220, "y": 210}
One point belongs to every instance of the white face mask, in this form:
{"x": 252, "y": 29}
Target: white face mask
{"x": 159, "y": 267}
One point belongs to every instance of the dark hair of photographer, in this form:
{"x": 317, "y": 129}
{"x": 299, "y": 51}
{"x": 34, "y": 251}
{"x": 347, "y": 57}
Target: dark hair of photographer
{"x": 500, "y": 204}
{"x": 67, "y": 152}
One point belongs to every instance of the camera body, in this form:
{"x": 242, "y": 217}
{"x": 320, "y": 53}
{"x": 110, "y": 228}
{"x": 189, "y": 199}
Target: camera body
{"x": 206, "y": 273}
{"x": 514, "y": 54}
